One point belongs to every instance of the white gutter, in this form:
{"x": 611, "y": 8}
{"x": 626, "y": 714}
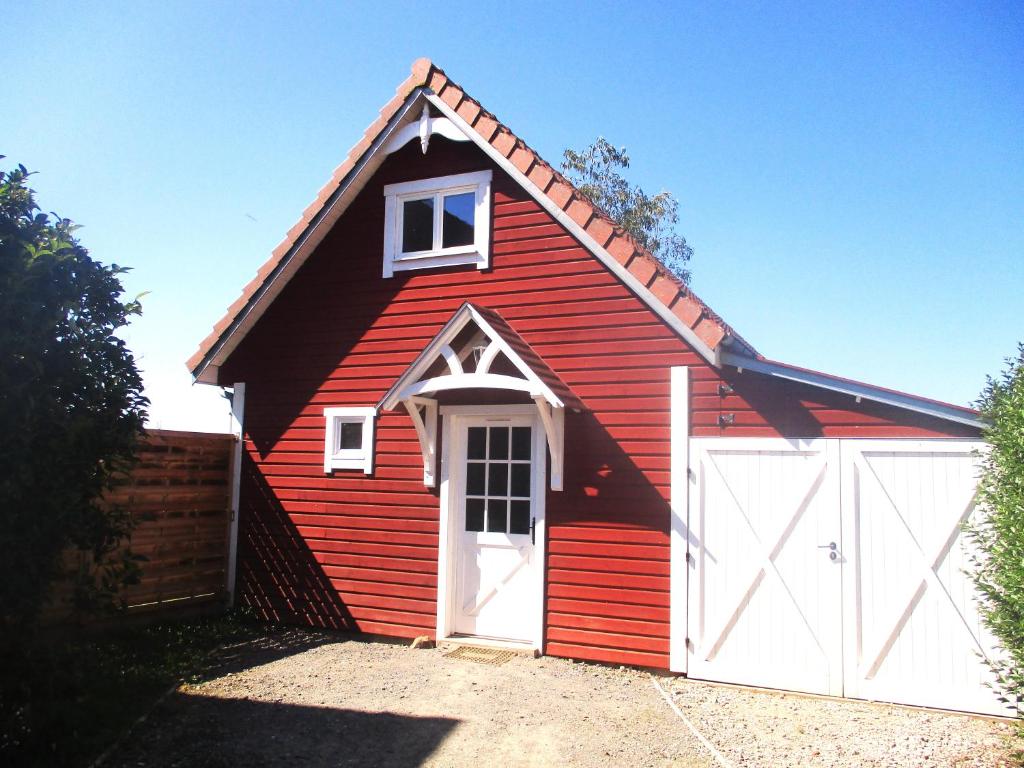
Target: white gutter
{"x": 853, "y": 388}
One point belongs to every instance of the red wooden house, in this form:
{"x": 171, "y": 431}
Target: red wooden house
{"x": 474, "y": 407}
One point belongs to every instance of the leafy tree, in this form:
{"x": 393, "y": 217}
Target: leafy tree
{"x": 71, "y": 408}
{"x": 999, "y": 533}
{"x": 651, "y": 220}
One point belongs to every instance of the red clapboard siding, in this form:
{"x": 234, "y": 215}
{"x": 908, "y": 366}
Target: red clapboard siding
{"x": 355, "y": 552}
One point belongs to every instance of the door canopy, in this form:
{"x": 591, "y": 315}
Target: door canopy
{"x": 477, "y": 349}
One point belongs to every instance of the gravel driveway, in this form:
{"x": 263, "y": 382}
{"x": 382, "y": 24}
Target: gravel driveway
{"x": 300, "y": 698}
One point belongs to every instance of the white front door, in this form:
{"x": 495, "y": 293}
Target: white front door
{"x": 495, "y": 515}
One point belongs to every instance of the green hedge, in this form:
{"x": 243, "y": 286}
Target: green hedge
{"x": 999, "y": 532}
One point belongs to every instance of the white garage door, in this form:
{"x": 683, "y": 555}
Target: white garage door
{"x": 835, "y": 566}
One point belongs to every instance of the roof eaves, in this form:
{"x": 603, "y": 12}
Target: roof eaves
{"x": 373, "y": 137}
{"x": 858, "y": 389}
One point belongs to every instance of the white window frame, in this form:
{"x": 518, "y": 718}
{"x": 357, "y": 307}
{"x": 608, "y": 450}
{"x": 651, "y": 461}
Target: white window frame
{"x": 351, "y": 458}
{"x": 476, "y": 253}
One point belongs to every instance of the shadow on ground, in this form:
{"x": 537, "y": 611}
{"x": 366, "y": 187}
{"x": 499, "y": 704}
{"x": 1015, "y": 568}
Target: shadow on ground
{"x": 210, "y": 732}
{"x": 277, "y": 643}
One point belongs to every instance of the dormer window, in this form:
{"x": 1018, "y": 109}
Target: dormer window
{"x": 437, "y": 222}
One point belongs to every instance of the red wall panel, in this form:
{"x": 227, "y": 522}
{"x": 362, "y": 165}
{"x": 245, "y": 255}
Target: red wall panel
{"x": 357, "y": 552}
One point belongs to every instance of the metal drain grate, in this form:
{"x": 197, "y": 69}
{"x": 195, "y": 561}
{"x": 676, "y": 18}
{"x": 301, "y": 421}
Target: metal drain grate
{"x": 495, "y": 656}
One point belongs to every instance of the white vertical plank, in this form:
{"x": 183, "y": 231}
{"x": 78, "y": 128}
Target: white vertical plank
{"x": 444, "y": 530}
{"x": 238, "y": 429}
{"x": 679, "y": 382}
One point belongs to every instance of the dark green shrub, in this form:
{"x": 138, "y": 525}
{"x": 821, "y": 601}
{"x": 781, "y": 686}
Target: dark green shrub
{"x": 71, "y": 409}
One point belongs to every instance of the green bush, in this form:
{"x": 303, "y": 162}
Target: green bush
{"x": 71, "y": 410}
{"x": 999, "y": 532}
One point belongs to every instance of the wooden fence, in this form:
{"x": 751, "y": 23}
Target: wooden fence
{"x": 180, "y": 495}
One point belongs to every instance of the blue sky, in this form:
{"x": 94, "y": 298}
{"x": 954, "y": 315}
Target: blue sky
{"x": 851, "y": 178}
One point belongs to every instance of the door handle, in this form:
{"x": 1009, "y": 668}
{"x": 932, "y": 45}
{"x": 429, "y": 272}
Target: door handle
{"x": 533, "y": 531}
{"x": 831, "y": 546}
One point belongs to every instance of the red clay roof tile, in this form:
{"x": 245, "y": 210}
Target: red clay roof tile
{"x": 687, "y": 310}
{"x": 621, "y": 248}
{"x": 486, "y": 126}
{"x": 560, "y": 192}
{"x": 709, "y": 332}
{"x": 437, "y": 81}
{"x": 580, "y": 211}
{"x": 541, "y": 175}
{"x": 522, "y": 158}
{"x": 504, "y": 141}
{"x": 641, "y": 268}
{"x": 451, "y": 95}
{"x": 665, "y": 290}
{"x": 601, "y": 230}
{"x": 468, "y": 110}
{"x": 421, "y": 69}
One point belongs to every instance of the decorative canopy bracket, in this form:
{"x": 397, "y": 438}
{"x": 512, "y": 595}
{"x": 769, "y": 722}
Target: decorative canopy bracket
{"x": 477, "y": 350}
{"x": 553, "y": 420}
{"x": 425, "y": 423}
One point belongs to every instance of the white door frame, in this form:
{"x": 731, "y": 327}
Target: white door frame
{"x": 679, "y": 472}
{"x": 451, "y": 416}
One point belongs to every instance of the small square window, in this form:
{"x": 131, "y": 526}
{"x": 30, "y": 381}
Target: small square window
{"x": 348, "y": 439}
{"x": 437, "y": 222}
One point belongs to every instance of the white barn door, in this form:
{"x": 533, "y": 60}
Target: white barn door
{"x": 913, "y": 634}
{"x": 887, "y": 614}
{"x": 764, "y": 582}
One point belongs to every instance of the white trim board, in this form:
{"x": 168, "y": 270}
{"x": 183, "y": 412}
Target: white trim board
{"x": 679, "y": 570}
{"x": 238, "y": 429}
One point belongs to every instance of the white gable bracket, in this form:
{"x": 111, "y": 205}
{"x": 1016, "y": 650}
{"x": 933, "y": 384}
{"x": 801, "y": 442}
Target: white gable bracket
{"x": 423, "y": 129}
